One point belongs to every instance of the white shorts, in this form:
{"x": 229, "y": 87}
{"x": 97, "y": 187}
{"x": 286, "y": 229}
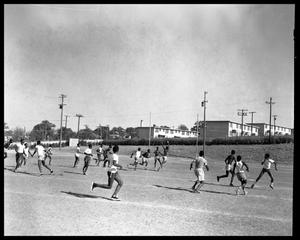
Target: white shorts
{"x": 41, "y": 158}
{"x": 241, "y": 176}
{"x": 228, "y": 167}
{"x": 199, "y": 174}
{"x": 165, "y": 158}
{"x": 76, "y": 154}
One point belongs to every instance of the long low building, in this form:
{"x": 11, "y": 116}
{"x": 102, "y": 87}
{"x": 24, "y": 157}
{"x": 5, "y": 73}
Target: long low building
{"x": 163, "y": 132}
{"x": 264, "y": 129}
{"x": 222, "y": 129}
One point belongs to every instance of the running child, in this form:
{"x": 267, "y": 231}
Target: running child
{"x": 25, "y": 154}
{"x": 113, "y": 175}
{"x": 19, "y": 148}
{"x": 267, "y": 162}
{"x": 6, "y": 147}
{"x": 48, "y": 154}
{"x": 107, "y": 155}
{"x": 40, "y": 150}
{"x": 238, "y": 168}
{"x": 77, "y": 155}
{"x": 88, "y": 155}
{"x": 164, "y": 155}
{"x": 200, "y": 162}
{"x": 99, "y": 154}
{"x": 138, "y": 154}
{"x": 145, "y": 158}
{"x": 157, "y": 155}
{"x": 229, "y": 161}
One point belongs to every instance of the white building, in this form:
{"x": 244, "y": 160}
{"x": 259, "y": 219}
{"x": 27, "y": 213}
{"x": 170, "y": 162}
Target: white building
{"x": 220, "y": 129}
{"x": 277, "y": 130}
{"x": 163, "y": 132}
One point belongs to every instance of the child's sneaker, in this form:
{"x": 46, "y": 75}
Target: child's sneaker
{"x": 272, "y": 185}
{"x": 92, "y": 186}
{"x": 218, "y": 179}
{"x": 115, "y": 198}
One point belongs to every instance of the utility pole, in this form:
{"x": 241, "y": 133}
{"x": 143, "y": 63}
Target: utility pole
{"x": 242, "y": 113}
{"x": 251, "y": 120}
{"x": 79, "y": 116}
{"x": 141, "y": 123}
{"x": 100, "y": 130}
{"x": 61, "y": 106}
{"x": 107, "y": 133}
{"x": 203, "y": 104}
{"x": 66, "y": 121}
{"x": 274, "y": 118}
{"x": 270, "y": 117}
{"x": 149, "y": 130}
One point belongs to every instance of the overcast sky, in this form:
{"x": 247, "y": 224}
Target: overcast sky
{"x": 118, "y": 63}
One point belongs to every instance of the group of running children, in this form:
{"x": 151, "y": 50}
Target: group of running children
{"x": 110, "y": 158}
{"x": 22, "y": 153}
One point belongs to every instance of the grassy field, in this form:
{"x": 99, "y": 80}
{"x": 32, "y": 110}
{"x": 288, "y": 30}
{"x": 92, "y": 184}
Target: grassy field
{"x": 152, "y": 203}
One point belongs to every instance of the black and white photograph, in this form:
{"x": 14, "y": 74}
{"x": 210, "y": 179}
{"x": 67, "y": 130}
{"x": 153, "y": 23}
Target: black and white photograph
{"x": 149, "y": 119}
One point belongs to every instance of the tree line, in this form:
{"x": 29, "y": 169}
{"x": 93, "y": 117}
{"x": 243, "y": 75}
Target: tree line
{"x": 46, "y": 131}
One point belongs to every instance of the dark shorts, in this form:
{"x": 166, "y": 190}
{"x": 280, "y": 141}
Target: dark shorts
{"x": 19, "y": 156}
{"x": 264, "y": 170}
{"x": 87, "y": 159}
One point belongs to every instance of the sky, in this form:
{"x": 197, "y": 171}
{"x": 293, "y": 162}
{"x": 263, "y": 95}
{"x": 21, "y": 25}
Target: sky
{"x": 120, "y": 64}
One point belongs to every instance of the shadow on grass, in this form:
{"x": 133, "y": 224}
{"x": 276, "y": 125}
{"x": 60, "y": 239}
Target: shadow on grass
{"x": 27, "y": 173}
{"x": 80, "y": 195}
{"x": 174, "y": 188}
{"x": 218, "y": 184}
{"x": 226, "y": 193}
{"x": 223, "y": 185}
{"x": 188, "y": 190}
{"x": 73, "y": 172}
{"x": 138, "y": 168}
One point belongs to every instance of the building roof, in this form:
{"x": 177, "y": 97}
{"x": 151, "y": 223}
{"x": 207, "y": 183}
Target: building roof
{"x": 268, "y": 125}
{"x": 173, "y": 129}
{"x": 228, "y": 121}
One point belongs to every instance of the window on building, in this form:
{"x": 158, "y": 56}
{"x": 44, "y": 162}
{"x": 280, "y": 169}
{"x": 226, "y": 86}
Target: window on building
{"x": 172, "y": 131}
{"x": 230, "y": 124}
{"x": 183, "y": 133}
{"x": 167, "y": 131}
{"x": 156, "y": 130}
